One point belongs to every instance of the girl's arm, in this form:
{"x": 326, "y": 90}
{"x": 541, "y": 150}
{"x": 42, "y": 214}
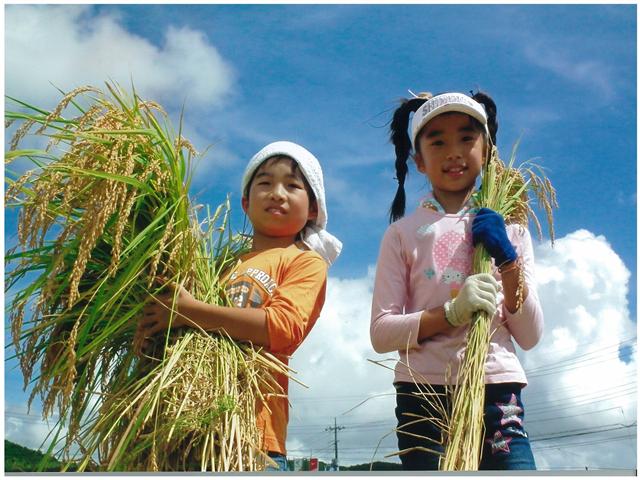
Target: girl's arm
{"x": 510, "y": 282}
{"x": 488, "y": 228}
{"x": 479, "y": 292}
{"x": 432, "y": 322}
{"x": 525, "y": 325}
{"x": 391, "y": 329}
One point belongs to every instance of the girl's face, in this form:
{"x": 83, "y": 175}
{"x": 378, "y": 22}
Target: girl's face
{"x": 278, "y": 203}
{"x": 451, "y": 153}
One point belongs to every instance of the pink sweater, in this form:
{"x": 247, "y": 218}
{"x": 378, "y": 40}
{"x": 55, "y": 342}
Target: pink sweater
{"x": 424, "y": 259}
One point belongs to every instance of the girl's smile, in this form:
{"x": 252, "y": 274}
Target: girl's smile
{"x": 455, "y": 171}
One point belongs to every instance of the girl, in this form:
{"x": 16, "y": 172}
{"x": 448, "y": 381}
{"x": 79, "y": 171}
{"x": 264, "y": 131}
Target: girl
{"x": 425, "y": 294}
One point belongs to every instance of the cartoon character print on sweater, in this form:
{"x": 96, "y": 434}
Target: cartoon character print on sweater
{"x": 453, "y": 253}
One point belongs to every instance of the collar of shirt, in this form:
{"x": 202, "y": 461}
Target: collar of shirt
{"x": 430, "y": 202}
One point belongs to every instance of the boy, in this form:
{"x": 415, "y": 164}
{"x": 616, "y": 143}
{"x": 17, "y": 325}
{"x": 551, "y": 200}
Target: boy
{"x": 278, "y": 288}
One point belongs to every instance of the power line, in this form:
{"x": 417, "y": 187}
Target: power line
{"x": 589, "y": 398}
{"x": 563, "y": 417}
{"x": 584, "y": 444}
{"x": 578, "y": 433}
{"x": 611, "y": 351}
{"x": 571, "y": 387}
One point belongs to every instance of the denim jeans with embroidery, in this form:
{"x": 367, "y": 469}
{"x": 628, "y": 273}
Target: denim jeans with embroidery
{"x": 506, "y": 445}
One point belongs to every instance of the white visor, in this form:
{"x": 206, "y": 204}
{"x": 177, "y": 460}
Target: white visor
{"x": 446, "y": 102}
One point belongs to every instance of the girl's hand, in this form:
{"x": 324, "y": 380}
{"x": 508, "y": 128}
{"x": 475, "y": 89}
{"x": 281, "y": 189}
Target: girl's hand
{"x": 478, "y": 292}
{"x": 488, "y": 229}
{"x": 156, "y": 315}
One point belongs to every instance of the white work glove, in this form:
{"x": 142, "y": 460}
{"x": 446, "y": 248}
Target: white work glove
{"x": 478, "y": 292}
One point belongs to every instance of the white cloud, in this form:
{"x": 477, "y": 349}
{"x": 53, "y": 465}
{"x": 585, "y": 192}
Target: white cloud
{"x": 627, "y": 199}
{"x": 67, "y": 46}
{"x": 26, "y": 428}
{"x": 333, "y": 363}
{"x": 530, "y": 118}
{"x": 578, "y": 383}
{"x": 558, "y": 60}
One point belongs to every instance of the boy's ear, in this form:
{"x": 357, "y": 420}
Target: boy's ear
{"x": 313, "y": 211}
{"x": 245, "y": 204}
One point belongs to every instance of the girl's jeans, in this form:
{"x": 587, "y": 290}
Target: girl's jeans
{"x": 280, "y": 459}
{"x": 506, "y": 445}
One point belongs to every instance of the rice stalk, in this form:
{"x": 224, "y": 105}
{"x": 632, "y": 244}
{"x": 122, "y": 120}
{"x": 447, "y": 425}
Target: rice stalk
{"x": 105, "y": 212}
{"x": 505, "y": 189}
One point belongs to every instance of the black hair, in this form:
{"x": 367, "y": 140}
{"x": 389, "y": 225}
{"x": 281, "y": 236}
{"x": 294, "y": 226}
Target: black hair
{"x": 399, "y": 136}
{"x": 295, "y": 168}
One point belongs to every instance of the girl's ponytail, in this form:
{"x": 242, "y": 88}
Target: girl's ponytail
{"x": 400, "y": 138}
{"x": 492, "y": 112}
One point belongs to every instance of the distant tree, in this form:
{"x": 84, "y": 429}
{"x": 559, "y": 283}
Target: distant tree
{"x": 377, "y": 466}
{"x": 22, "y": 459}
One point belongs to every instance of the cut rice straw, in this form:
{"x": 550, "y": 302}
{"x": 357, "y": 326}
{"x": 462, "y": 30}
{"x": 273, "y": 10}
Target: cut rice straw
{"x": 104, "y": 214}
{"x": 505, "y": 189}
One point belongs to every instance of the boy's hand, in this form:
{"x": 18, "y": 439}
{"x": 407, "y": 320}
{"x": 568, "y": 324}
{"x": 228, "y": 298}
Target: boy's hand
{"x": 488, "y": 229}
{"x": 156, "y": 316}
{"x": 477, "y": 293}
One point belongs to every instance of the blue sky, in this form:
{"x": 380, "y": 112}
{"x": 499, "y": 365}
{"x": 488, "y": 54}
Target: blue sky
{"x": 328, "y": 77}
{"x": 563, "y": 78}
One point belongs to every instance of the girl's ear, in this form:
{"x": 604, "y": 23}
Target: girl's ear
{"x": 488, "y": 150}
{"x": 419, "y": 162}
{"x": 245, "y": 204}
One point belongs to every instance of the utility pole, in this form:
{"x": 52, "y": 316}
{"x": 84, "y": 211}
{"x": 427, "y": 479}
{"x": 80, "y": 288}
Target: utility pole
{"x": 335, "y": 429}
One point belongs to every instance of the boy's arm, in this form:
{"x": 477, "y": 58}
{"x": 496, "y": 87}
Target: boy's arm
{"x": 244, "y": 324}
{"x": 296, "y": 303}
{"x": 279, "y": 325}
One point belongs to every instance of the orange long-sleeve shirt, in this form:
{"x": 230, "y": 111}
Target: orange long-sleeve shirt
{"x": 290, "y": 285}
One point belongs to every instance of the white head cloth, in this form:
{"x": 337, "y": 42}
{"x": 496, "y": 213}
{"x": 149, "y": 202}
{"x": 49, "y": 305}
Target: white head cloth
{"x": 446, "y": 102}
{"x": 314, "y": 235}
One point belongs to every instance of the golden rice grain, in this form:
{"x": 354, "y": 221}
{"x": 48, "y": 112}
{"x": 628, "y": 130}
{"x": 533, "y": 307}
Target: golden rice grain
{"x": 83, "y": 216}
{"x": 505, "y": 190}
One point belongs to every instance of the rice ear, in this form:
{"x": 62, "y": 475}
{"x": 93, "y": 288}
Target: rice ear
{"x": 99, "y": 218}
{"x": 505, "y": 189}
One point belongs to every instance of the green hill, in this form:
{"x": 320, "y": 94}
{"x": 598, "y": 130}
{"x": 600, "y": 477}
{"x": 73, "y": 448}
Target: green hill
{"x": 21, "y": 459}
{"x": 377, "y": 466}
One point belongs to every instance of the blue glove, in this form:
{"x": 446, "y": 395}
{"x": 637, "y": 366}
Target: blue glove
{"x": 489, "y": 230}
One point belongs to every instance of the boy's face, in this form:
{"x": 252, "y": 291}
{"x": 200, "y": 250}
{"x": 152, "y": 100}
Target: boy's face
{"x": 278, "y": 203}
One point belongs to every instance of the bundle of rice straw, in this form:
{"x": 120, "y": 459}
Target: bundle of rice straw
{"x": 103, "y": 215}
{"x": 505, "y": 190}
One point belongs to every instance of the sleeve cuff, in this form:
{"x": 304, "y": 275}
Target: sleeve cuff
{"x": 414, "y": 327}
